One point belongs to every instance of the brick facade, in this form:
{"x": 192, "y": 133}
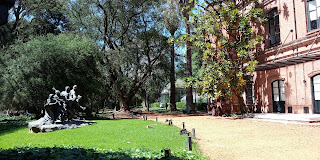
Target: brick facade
{"x": 294, "y": 61}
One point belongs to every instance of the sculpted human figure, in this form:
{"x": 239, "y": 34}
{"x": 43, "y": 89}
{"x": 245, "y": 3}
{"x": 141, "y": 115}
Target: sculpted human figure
{"x": 62, "y": 106}
{"x": 72, "y": 101}
{"x": 59, "y": 108}
{"x": 73, "y": 95}
{"x": 57, "y": 96}
{"x": 78, "y": 105}
{"x": 51, "y": 102}
{"x": 65, "y": 93}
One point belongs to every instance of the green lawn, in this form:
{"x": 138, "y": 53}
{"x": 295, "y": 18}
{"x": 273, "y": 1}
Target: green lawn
{"x": 105, "y": 134}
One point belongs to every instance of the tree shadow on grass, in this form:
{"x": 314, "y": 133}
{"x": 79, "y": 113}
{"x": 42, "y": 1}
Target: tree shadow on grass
{"x": 79, "y": 153}
{"x": 11, "y": 126}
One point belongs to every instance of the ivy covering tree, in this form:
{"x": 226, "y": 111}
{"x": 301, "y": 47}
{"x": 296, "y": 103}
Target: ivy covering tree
{"x": 225, "y": 35}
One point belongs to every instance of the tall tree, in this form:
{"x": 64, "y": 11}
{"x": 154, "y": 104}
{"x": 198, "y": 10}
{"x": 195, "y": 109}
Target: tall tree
{"x": 185, "y": 6}
{"x": 130, "y": 38}
{"x": 227, "y": 39}
{"x": 172, "y": 23}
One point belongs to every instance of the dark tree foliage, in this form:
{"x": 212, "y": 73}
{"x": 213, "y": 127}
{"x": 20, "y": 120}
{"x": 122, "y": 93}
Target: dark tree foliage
{"x": 29, "y": 18}
{"x": 30, "y": 70}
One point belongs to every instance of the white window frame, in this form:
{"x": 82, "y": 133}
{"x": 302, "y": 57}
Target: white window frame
{"x": 316, "y": 10}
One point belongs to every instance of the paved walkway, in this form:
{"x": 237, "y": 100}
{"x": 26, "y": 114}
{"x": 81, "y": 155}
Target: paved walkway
{"x": 253, "y": 138}
{"x": 307, "y": 119}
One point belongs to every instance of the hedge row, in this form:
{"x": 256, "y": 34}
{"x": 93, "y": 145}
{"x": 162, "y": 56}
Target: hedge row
{"x": 71, "y": 152}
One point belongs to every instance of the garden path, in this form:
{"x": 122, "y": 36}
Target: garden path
{"x": 229, "y": 138}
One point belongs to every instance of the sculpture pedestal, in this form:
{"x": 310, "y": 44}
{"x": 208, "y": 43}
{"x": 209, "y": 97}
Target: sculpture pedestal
{"x": 42, "y": 125}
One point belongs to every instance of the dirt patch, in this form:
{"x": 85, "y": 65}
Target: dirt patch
{"x": 228, "y": 138}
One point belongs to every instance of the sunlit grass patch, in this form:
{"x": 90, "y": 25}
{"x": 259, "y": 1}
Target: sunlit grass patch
{"x": 109, "y": 134}
{"x": 113, "y": 135}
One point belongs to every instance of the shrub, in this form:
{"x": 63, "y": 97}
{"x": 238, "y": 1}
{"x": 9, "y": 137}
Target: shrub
{"x": 71, "y": 152}
{"x": 8, "y": 123}
{"x": 181, "y": 105}
{"x": 50, "y": 61}
{"x": 156, "y": 104}
{"x": 201, "y": 106}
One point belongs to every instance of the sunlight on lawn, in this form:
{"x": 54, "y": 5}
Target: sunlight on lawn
{"x": 107, "y": 134}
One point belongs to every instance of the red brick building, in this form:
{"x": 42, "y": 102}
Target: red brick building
{"x": 287, "y": 79}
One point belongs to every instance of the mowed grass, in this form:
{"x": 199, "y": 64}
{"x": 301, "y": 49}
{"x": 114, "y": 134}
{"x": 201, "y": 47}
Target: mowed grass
{"x": 105, "y": 134}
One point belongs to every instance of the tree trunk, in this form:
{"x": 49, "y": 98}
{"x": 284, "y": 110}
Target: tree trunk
{"x": 208, "y": 104}
{"x": 145, "y": 103}
{"x": 242, "y": 105}
{"x": 146, "y": 100}
{"x": 118, "y": 105}
{"x": 189, "y": 97}
{"x": 172, "y": 82}
{"x": 124, "y": 106}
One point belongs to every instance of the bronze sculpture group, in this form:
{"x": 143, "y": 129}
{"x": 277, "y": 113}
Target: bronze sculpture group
{"x": 60, "y": 112}
{"x": 62, "y": 106}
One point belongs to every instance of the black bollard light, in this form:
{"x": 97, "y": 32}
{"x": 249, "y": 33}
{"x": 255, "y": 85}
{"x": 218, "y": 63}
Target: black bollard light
{"x": 189, "y": 143}
{"x": 167, "y": 152}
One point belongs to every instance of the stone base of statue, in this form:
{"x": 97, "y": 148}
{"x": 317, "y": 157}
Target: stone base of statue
{"x": 45, "y": 125}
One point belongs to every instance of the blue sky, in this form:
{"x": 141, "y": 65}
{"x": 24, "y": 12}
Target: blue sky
{"x": 182, "y": 49}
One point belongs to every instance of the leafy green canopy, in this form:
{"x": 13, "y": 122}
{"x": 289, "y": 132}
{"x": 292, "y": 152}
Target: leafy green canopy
{"x": 224, "y": 34}
{"x": 29, "y": 70}
{"x": 130, "y": 38}
{"x": 171, "y": 17}
{"x": 30, "y": 18}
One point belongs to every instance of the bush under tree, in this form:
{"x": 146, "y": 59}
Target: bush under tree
{"x": 30, "y": 70}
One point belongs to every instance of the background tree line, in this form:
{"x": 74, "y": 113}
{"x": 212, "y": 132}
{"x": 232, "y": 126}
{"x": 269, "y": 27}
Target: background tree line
{"x": 116, "y": 52}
